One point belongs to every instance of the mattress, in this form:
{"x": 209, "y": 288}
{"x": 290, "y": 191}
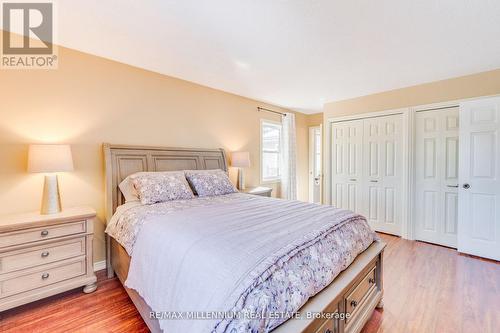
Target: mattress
{"x": 236, "y": 262}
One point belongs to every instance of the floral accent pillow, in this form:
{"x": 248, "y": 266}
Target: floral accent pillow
{"x": 153, "y": 187}
{"x": 207, "y": 183}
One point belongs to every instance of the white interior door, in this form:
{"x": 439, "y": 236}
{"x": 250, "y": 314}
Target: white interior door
{"x": 436, "y": 176}
{"x": 383, "y": 173}
{"x": 479, "y": 175}
{"x": 315, "y": 164}
{"x": 346, "y": 166}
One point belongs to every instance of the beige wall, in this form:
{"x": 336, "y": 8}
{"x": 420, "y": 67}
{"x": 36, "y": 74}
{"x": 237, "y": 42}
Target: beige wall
{"x": 315, "y": 119}
{"x": 89, "y": 100}
{"x": 482, "y": 84}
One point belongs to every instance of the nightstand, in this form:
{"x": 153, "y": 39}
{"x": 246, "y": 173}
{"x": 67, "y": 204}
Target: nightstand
{"x": 43, "y": 255}
{"x": 260, "y": 190}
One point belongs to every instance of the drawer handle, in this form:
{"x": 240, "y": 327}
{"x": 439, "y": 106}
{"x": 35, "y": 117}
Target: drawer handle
{"x": 45, "y": 254}
{"x": 45, "y": 276}
{"x": 371, "y": 280}
{"x": 354, "y": 304}
{"x": 328, "y": 330}
{"x": 373, "y": 181}
{"x": 44, "y": 232}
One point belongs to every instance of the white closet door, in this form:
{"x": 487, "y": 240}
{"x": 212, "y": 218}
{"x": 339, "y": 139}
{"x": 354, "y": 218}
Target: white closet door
{"x": 383, "y": 172}
{"x": 436, "y": 176}
{"x": 479, "y": 175}
{"x": 347, "y": 139}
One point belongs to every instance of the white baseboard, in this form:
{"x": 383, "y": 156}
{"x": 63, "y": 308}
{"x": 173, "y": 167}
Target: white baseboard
{"x": 99, "y": 266}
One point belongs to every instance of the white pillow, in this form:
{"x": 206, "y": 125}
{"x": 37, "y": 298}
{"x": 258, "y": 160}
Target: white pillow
{"x": 128, "y": 190}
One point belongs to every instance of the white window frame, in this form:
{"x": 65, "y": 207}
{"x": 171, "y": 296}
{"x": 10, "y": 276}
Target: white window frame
{"x": 263, "y": 180}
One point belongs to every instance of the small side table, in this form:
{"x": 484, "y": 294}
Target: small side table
{"x": 259, "y": 190}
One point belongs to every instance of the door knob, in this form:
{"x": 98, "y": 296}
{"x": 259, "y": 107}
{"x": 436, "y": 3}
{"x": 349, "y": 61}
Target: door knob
{"x": 466, "y": 186}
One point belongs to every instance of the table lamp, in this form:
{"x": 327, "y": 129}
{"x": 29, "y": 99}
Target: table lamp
{"x": 50, "y": 159}
{"x": 240, "y": 160}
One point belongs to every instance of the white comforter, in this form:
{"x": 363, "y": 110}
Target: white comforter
{"x": 215, "y": 256}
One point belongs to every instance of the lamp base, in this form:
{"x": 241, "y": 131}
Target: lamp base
{"x": 241, "y": 179}
{"x": 51, "y": 200}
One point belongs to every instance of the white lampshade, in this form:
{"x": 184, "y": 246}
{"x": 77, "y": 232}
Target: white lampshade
{"x": 240, "y": 159}
{"x": 50, "y": 158}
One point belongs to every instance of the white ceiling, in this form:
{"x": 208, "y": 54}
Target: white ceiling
{"x": 297, "y": 53}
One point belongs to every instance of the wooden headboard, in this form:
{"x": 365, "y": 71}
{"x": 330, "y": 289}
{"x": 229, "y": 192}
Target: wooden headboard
{"x": 124, "y": 160}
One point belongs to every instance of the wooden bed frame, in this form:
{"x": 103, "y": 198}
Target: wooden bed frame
{"x": 356, "y": 291}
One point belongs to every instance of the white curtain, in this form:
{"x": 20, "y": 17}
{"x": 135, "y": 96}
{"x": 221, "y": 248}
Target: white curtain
{"x": 289, "y": 159}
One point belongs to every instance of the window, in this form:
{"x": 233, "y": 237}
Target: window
{"x": 270, "y": 151}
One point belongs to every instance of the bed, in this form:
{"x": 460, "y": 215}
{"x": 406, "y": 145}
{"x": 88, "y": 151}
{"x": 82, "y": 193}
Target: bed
{"x": 341, "y": 305}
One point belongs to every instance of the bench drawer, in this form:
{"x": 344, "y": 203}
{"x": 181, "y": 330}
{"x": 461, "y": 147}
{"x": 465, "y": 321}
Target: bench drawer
{"x": 41, "y": 254}
{"x": 42, "y": 233}
{"x": 327, "y": 327}
{"x": 355, "y": 299}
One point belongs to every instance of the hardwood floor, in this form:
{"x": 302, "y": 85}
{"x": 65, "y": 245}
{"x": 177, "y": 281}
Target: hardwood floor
{"x": 428, "y": 288}
{"x": 108, "y": 309}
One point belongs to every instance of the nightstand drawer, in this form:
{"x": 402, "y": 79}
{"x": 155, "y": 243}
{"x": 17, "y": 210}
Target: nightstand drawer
{"x": 42, "y": 233}
{"x": 25, "y": 280}
{"x": 41, "y": 254}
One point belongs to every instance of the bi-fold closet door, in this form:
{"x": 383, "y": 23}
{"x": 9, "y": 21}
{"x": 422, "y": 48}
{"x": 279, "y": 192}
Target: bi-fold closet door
{"x": 436, "y": 176}
{"x": 347, "y": 165}
{"x": 367, "y": 169}
{"x": 383, "y": 172}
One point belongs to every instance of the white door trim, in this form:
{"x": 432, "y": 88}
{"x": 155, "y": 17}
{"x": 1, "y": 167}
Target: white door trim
{"x": 367, "y": 115}
{"x": 310, "y": 178}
